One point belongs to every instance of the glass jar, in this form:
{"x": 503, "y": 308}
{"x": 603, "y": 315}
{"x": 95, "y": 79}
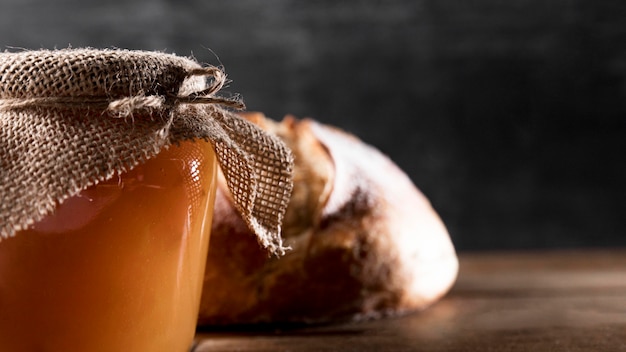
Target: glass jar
{"x": 117, "y": 267}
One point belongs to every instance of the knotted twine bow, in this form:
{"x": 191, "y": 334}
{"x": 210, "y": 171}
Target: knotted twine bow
{"x": 64, "y": 126}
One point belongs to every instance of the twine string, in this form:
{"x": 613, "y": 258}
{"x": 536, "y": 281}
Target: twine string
{"x": 124, "y": 107}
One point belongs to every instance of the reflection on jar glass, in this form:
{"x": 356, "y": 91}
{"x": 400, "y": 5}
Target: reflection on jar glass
{"x": 117, "y": 267}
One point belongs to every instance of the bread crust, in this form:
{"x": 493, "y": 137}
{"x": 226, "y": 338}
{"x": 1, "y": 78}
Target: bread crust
{"x": 365, "y": 241}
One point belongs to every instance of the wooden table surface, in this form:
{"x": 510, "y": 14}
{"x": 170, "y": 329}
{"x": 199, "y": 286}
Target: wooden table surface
{"x": 530, "y": 301}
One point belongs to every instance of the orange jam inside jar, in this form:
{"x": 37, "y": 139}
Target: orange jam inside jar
{"x": 117, "y": 267}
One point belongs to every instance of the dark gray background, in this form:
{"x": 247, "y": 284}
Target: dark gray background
{"x": 509, "y": 115}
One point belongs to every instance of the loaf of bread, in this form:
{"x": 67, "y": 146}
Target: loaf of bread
{"x": 365, "y": 242}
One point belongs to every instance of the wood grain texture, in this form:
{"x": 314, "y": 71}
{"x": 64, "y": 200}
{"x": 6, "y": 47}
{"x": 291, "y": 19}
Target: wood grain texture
{"x": 522, "y": 301}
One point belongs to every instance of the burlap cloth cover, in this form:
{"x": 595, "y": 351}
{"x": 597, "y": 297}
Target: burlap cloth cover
{"x": 71, "y": 118}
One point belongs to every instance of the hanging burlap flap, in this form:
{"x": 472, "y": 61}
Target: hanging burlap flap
{"x": 71, "y": 118}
